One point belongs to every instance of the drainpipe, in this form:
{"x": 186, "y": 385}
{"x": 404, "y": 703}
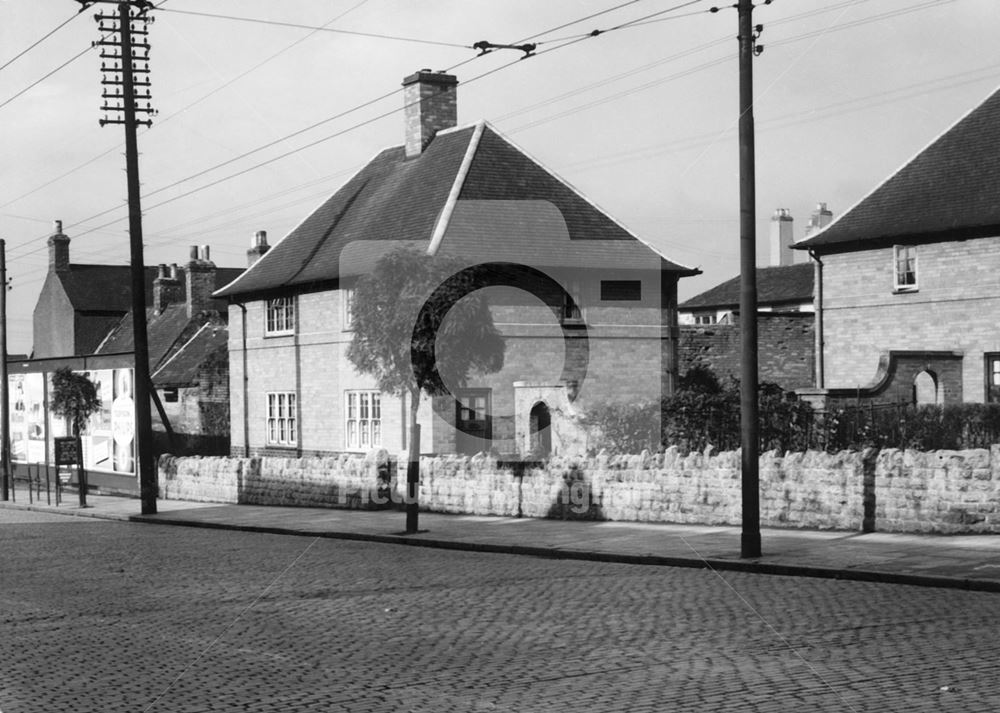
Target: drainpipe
{"x": 818, "y": 308}
{"x": 246, "y": 383}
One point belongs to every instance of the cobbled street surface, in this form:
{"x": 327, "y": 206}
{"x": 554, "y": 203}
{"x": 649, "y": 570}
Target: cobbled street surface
{"x": 110, "y": 616}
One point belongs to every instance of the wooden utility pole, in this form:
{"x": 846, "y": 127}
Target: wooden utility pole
{"x": 4, "y": 386}
{"x": 749, "y": 408}
{"x": 127, "y": 62}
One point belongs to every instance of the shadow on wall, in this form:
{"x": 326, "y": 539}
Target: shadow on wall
{"x": 576, "y": 499}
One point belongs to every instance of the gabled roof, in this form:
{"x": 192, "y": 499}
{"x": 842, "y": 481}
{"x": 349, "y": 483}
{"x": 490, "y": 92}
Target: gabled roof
{"x": 785, "y": 284}
{"x": 168, "y": 332}
{"x": 183, "y": 366}
{"x": 394, "y": 199}
{"x": 948, "y": 191}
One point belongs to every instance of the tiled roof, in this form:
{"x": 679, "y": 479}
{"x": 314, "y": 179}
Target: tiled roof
{"x": 167, "y": 333}
{"x": 107, "y": 288}
{"x": 785, "y": 284}
{"x": 210, "y": 342}
{"x": 102, "y": 288}
{"x": 948, "y": 191}
{"x": 394, "y": 199}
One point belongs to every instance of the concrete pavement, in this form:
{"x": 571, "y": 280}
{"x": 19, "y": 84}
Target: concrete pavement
{"x": 956, "y": 561}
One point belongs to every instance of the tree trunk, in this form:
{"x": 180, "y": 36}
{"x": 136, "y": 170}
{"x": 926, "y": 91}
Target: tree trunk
{"x": 413, "y": 467}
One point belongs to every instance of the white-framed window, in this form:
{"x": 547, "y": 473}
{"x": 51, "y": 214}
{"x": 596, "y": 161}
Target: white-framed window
{"x": 707, "y": 318}
{"x": 280, "y": 318}
{"x": 904, "y": 268}
{"x": 282, "y": 420}
{"x": 363, "y": 420}
{"x": 348, "y": 301}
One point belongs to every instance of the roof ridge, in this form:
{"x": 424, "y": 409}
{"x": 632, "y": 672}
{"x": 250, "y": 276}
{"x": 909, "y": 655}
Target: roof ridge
{"x": 180, "y": 350}
{"x": 437, "y": 235}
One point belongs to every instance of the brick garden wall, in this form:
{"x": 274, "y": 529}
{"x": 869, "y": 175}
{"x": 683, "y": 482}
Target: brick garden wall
{"x": 903, "y": 491}
{"x": 787, "y": 348}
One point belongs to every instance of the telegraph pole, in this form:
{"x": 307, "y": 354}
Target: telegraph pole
{"x": 128, "y": 52}
{"x": 749, "y": 408}
{"x": 4, "y": 386}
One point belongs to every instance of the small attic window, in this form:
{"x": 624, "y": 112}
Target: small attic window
{"x": 170, "y": 395}
{"x": 621, "y": 290}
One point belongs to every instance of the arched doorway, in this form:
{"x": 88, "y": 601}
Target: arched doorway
{"x": 540, "y": 430}
{"x": 925, "y": 389}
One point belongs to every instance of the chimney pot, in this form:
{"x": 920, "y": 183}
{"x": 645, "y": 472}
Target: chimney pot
{"x": 194, "y": 252}
{"x": 782, "y": 236}
{"x": 173, "y": 271}
{"x": 161, "y": 271}
{"x": 258, "y": 246}
{"x": 58, "y": 227}
{"x": 205, "y": 253}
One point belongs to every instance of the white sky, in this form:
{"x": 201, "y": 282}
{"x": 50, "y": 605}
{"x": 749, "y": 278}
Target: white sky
{"x": 641, "y": 120}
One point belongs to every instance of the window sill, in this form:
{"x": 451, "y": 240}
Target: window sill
{"x": 272, "y": 335}
{"x": 573, "y": 323}
{"x": 904, "y": 290}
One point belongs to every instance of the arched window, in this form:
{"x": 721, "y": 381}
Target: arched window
{"x": 925, "y": 389}
{"x": 540, "y": 430}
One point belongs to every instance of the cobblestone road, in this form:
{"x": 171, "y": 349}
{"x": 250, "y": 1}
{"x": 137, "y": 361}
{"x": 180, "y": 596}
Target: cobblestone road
{"x": 108, "y": 616}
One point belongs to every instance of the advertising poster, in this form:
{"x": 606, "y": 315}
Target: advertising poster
{"x": 18, "y": 419}
{"x": 123, "y": 422}
{"x": 97, "y": 439}
{"x": 34, "y": 405}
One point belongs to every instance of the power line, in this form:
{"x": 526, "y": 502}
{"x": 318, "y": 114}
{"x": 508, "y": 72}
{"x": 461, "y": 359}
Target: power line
{"x": 277, "y": 23}
{"x": 314, "y": 125}
{"x": 39, "y": 41}
{"x": 180, "y": 111}
{"x": 63, "y": 65}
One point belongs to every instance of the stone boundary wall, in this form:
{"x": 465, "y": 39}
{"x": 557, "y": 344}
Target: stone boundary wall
{"x": 891, "y": 491}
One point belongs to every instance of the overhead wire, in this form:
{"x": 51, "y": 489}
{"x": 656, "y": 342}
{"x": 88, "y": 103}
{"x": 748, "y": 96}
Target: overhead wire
{"x": 294, "y": 134}
{"x": 39, "y": 41}
{"x": 278, "y": 23}
{"x": 161, "y": 121}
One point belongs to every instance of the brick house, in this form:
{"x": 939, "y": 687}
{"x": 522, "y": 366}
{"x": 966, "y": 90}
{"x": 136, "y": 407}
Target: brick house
{"x": 469, "y": 193}
{"x": 908, "y": 286}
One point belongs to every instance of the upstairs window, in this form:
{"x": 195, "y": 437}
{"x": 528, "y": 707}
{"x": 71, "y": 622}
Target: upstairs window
{"x": 280, "y": 316}
{"x": 348, "y": 301}
{"x": 905, "y": 272}
{"x": 708, "y": 318}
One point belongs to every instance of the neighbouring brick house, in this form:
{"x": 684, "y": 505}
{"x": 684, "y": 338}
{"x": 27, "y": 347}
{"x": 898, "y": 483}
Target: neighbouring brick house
{"x": 468, "y": 193}
{"x": 85, "y": 309}
{"x": 710, "y": 333}
{"x": 909, "y": 276}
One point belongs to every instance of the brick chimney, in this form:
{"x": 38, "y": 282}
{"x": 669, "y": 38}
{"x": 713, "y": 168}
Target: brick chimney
{"x": 200, "y": 280}
{"x": 167, "y": 288}
{"x": 58, "y": 249}
{"x": 819, "y": 219}
{"x": 782, "y": 237}
{"x": 429, "y": 100}
{"x": 258, "y": 246}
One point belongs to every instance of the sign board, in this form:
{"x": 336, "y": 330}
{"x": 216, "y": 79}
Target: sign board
{"x": 66, "y": 451}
